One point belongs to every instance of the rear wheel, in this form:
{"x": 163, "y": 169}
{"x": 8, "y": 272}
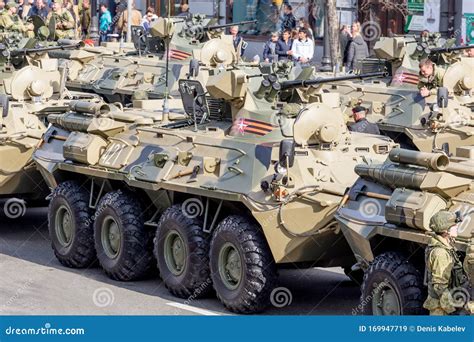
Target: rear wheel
{"x": 242, "y": 267}
{"x": 392, "y": 286}
{"x": 124, "y": 246}
{"x": 70, "y": 225}
{"x": 182, "y": 252}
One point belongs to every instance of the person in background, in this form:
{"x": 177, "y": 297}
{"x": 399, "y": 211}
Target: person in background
{"x": 123, "y": 20}
{"x": 302, "y": 23}
{"x": 344, "y": 41}
{"x": 283, "y": 47}
{"x": 152, "y": 11}
{"x": 85, "y": 18}
{"x": 469, "y": 52}
{"x": 63, "y": 19}
{"x": 269, "y": 50}
{"x": 289, "y": 20}
{"x": 362, "y": 125}
{"x": 303, "y": 48}
{"x": 358, "y": 49}
{"x": 237, "y": 40}
{"x": 148, "y": 19}
{"x": 10, "y": 21}
{"x": 2, "y": 5}
{"x": 104, "y": 22}
{"x": 184, "y": 10}
{"x": 40, "y": 9}
{"x": 26, "y": 9}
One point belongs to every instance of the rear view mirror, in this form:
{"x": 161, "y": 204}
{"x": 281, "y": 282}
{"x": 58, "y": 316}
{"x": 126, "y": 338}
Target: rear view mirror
{"x": 4, "y": 104}
{"x": 442, "y": 96}
{"x": 287, "y": 153}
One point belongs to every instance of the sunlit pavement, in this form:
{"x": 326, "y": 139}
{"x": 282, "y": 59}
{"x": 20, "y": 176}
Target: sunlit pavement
{"x": 34, "y": 282}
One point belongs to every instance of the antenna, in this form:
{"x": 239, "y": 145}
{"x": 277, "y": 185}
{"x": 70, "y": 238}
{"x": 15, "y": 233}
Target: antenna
{"x": 166, "y": 109}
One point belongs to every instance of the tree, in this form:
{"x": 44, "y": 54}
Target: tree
{"x": 333, "y": 32}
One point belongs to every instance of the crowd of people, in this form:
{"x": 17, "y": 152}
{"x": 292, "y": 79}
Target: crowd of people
{"x": 295, "y": 42}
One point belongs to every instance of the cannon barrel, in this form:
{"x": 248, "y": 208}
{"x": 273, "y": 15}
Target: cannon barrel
{"x": 71, "y": 121}
{"x": 217, "y": 27}
{"x": 449, "y": 49}
{"x": 306, "y": 83}
{"x": 433, "y": 161}
{"x": 393, "y": 176}
{"x": 89, "y": 107}
{"x": 19, "y": 52}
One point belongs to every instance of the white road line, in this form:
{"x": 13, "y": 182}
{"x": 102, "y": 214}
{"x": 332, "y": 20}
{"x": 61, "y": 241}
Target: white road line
{"x": 193, "y": 309}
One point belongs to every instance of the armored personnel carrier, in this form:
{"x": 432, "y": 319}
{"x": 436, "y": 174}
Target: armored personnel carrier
{"x": 117, "y": 76}
{"x": 220, "y": 198}
{"x": 385, "y": 219}
{"x": 27, "y": 96}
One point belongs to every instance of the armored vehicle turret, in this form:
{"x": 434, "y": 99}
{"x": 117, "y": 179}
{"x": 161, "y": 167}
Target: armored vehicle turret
{"x": 385, "y": 218}
{"x": 219, "y": 198}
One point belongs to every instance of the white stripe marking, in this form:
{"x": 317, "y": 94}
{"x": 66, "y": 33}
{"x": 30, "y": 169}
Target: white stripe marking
{"x": 193, "y": 309}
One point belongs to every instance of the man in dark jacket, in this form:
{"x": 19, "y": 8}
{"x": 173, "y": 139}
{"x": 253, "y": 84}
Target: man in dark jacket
{"x": 289, "y": 20}
{"x": 358, "y": 49}
{"x": 269, "y": 50}
{"x": 283, "y": 46}
{"x": 362, "y": 125}
{"x": 40, "y": 9}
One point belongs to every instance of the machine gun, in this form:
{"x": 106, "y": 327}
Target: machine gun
{"x": 197, "y": 31}
{"x": 24, "y": 52}
{"x": 435, "y": 51}
{"x": 307, "y": 83}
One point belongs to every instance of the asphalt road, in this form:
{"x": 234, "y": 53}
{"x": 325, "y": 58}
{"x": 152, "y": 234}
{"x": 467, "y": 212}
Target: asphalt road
{"x": 32, "y": 281}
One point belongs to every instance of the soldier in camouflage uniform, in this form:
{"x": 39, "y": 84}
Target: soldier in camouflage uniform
{"x": 431, "y": 77}
{"x": 10, "y": 21}
{"x": 444, "y": 271}
{"x": 469, "y": 269}
{"x": 64, "y": 21}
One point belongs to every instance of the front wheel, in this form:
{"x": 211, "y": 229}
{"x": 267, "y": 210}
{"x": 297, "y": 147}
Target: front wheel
{"x": 242, "y": 267}
{"x": 392, "y": 286}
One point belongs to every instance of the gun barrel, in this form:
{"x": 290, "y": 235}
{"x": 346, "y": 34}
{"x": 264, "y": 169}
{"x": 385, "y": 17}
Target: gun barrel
{"x": 46, "y": 49}
{"x": 216, "y": 27}
{"x": 434, "y": 161}
{"x": 450, "y": 49}
{"x": 306, "y": 83}
{"x": 71, "y": 121}
{"x": 393, "y": 176}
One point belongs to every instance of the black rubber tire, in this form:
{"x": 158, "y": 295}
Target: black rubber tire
{"x": 135, "y": 257}
{"x": 259, "y": 275}
{"x": 401, "y": 275}
{"x": 194, "y": 281}
{"x": 356, "y": 276}
{"x": 80, "y": 253}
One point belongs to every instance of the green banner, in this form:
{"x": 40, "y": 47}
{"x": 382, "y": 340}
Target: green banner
{"x": 469, "y": 27}
{"x": 415, "y": 5}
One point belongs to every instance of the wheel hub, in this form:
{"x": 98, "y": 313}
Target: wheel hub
{"x": 230, "y": 266}
{"x": 386, "y": 301}
{"x": 111, "y": 237}
{"x": 64, "y": 225}
{"x": 175, "y": 252}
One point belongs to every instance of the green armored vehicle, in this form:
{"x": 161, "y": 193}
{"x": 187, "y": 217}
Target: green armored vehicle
{"x": 27, "y": 96}
{"x": 117, "y": 76}
{"x": 385, "y": 218}
{"x": 221, "y": 198}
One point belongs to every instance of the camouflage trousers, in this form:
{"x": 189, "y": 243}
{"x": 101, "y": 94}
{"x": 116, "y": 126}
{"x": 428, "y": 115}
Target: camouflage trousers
{"x": 64, "y": 34}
